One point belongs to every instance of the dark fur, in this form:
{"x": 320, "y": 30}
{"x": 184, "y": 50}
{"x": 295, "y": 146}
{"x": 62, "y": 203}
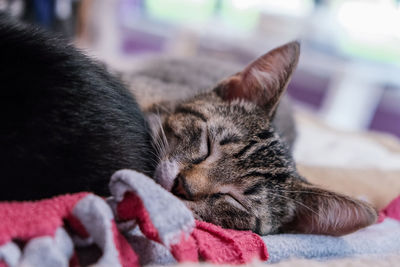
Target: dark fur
{"x": 65, "y": 124}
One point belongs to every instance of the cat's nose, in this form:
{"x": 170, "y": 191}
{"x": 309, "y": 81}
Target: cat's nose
{"x": 181, "y": 188}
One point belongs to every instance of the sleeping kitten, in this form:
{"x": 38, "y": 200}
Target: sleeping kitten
{"x": 66, "y": 125}
{"x": 225, "y": 151}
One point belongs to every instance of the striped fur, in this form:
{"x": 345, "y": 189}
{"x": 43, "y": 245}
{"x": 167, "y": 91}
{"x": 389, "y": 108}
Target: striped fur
{"x": 225, "y": 152}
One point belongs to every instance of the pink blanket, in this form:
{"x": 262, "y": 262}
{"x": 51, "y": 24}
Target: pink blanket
{"x": 144, "y": 224}
{"x": 54, "y": 232}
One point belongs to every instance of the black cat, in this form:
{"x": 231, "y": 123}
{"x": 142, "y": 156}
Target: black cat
{"x": 65, "y": 123}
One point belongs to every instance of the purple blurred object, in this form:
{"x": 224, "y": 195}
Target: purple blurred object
{"x": 139, "y": 42}
{"x": 308, "y": 88}
{"x": 386, "y": 121}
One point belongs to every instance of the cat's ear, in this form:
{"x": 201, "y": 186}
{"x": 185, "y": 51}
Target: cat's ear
{"x": 324, "y": 212}
{"x": 264, "y": 80}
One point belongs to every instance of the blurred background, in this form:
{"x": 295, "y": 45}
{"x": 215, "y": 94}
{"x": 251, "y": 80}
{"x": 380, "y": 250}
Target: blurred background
{"x": 349, "y": 70}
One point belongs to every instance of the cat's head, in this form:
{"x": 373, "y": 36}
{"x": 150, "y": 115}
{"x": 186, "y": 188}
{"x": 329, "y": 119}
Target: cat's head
{"x": 227, "y": 162}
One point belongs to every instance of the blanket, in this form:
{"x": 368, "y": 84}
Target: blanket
{"x": 144, "y": 224}
{"x": 379, "y": 240}
{"x": 140, "y": 224}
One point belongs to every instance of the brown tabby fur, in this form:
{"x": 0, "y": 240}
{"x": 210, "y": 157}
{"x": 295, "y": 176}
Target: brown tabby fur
{"x": 222, "y": 152}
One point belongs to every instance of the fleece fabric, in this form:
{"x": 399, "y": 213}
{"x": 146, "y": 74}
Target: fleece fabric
{"x": 378, "y": 240}
{"x": 140, "y": 223}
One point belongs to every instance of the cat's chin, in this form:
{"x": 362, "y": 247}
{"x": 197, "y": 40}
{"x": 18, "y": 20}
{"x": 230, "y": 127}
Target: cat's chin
{"x": 165, "y": 173}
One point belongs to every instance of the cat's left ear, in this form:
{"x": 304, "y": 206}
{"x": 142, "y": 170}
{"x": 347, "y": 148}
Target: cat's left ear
{"x": 323, "y": 212}
{"x": 264, "y": 80}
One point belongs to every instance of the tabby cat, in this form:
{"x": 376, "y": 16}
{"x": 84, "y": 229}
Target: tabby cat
{"x": 226, "y": 150}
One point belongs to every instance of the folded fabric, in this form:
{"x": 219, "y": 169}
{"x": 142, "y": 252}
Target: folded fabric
{"x": 162, "y": 218}
{"x": 59, "y": 231}
{"x": 377, "y": 240}
{"x": 391, "y": 211}
{"x": 144, "y": 224}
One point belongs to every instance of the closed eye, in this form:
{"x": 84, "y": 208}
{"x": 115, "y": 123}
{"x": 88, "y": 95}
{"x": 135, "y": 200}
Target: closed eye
{"x": 203, "y": 158}
{"x": 229, "y": 140}
{"x": 230, "y": 198}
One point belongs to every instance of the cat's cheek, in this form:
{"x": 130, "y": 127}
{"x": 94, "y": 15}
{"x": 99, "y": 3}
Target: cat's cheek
{"x": 195, "y": 208}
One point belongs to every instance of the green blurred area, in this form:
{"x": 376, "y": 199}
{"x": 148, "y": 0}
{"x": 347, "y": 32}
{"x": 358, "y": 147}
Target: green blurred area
{"x": 180, "y": 11}
{"x": 386, "y": 53}
{"x": 242, "y": 16}
{"x": 196, "y": 11}
{"x": 245, "y": 19}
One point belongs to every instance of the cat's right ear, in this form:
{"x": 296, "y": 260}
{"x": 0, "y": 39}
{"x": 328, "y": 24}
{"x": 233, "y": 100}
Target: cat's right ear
{"x": 263, "y": 81}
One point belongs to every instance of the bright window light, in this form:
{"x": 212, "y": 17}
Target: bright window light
{"x": 372, "y": 29}
{"x": 370, "y": 18}
{"x": 286, "y": 7}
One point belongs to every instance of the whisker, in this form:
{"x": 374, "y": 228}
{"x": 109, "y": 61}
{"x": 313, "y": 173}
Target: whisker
{"x": 305, "y": 192}
{"x": 297, "y": 202}
{"x": 157, "y": 158}
{"x": 165, "y": 140}
{"x": 161, "y": 141}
